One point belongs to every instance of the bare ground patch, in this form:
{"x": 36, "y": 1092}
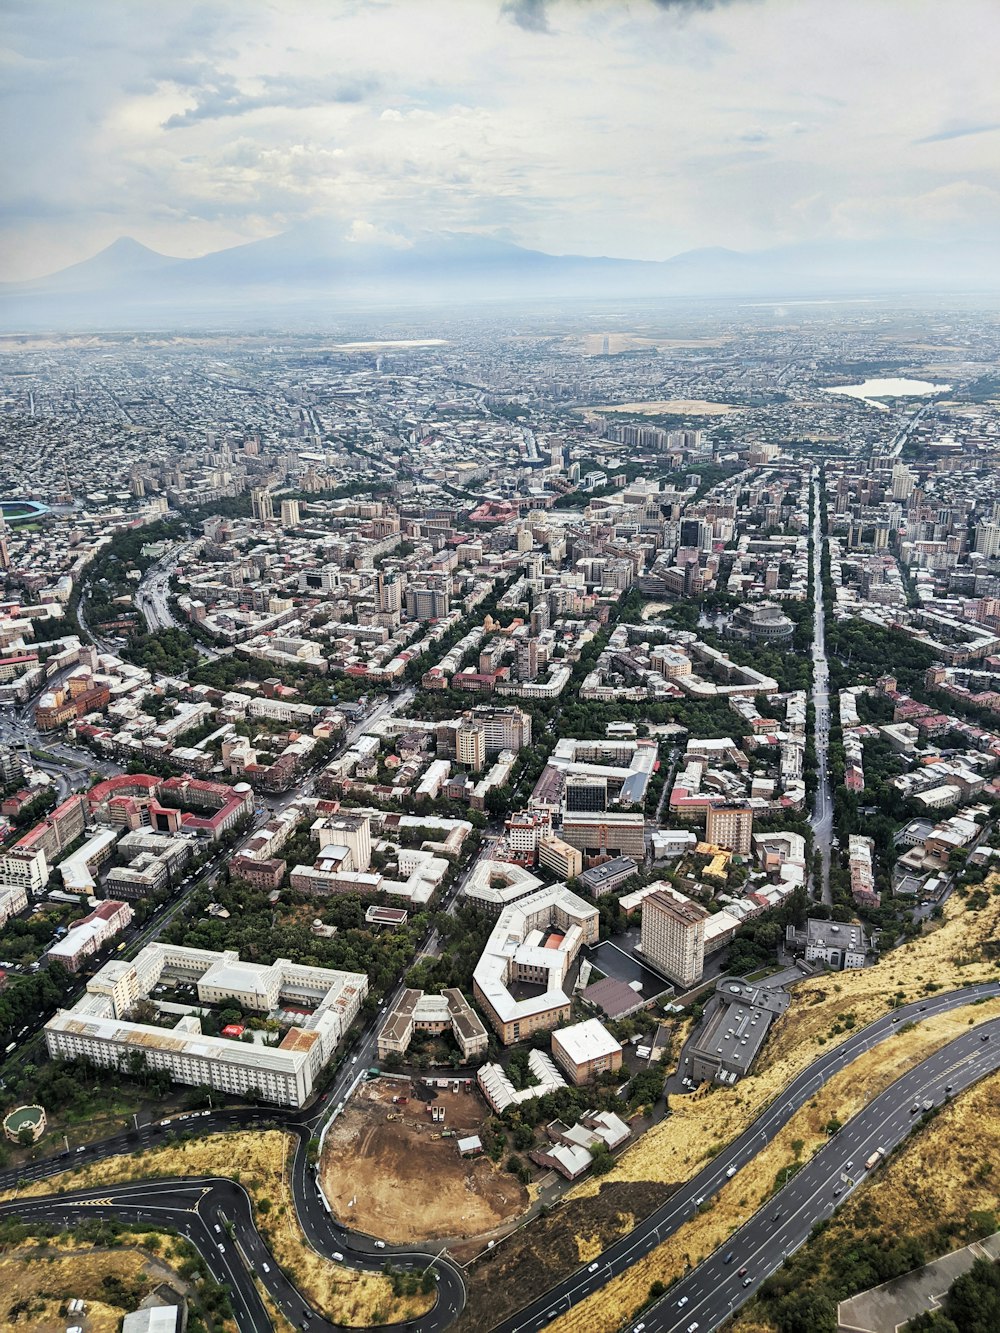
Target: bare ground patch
{"x": 408, "y": 1183}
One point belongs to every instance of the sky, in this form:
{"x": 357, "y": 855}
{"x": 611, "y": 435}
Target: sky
{"x": 637, "y": 129}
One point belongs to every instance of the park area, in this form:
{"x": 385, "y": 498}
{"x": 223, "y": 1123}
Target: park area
{"x": 388, "y": 1170}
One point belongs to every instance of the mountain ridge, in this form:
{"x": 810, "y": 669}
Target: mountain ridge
{"x": 315, "y": 261}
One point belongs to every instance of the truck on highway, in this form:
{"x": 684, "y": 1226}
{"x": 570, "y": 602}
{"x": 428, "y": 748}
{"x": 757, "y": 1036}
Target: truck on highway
{"x": 875, "y": 1158}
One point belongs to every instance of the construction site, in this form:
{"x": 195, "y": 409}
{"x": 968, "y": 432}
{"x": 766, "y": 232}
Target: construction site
{"x": 401, "y": 1163}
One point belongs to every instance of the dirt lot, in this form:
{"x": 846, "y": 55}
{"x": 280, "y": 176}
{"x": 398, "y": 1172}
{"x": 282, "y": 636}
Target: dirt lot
{"x": 409, "y": 1185}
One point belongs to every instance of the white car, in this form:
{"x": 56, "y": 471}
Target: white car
{"x": 339, "y": 1257}
{"x": 380, "y": 1245}
{"x": 593, "y": 1267}
{"x": 682, "y": 1302}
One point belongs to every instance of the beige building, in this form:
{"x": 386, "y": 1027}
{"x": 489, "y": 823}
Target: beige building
{"x": 586, "y": 1050}
{"x": 350, "y": 831}
{"x": 601, "y": 834}
{"x": 559, "y": 857}
{"x": 470, "y": 745}
{"x": 98, "y": 1027}
{"x": 730, "y": 826}
{"x": 419, "y": 1012}
{"x": 534, "y": 942}
{"x": 673, "y": 935}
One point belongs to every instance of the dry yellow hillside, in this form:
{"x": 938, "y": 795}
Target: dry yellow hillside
{"x": 36, "y": 1281}
{"x": 947, "y": 957}
{"x": 259, "y": 1162}
{"x": 933, "y": 1191}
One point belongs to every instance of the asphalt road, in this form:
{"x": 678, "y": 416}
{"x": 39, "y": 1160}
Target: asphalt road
{"x": 760, "y": 1246}
{"x": 713, "y": 1291}
{"x": 822, "y": 816}
{"x": 683, "y": 1204}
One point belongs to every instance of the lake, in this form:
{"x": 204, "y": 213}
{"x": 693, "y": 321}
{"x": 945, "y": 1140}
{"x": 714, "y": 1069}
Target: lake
{"x": 870, "y": 391}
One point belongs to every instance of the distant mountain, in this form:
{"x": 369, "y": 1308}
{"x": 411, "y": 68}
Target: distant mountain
{"x": 313, "y": 268}
{"x": 121, "y": 262}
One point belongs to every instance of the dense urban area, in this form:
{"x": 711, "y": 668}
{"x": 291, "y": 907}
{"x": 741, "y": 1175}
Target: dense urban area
{"x": 498, "y": 826}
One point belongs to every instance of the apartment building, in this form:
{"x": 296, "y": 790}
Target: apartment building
{"x": 673, "y": 935}
{"x": 730, "y": 825}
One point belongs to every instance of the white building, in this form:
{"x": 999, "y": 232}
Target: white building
{"x": 96, "y": 1027}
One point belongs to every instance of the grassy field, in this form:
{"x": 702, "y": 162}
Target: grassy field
{"x": 259, "y": 1163}
{"x": 36, "y": 1282}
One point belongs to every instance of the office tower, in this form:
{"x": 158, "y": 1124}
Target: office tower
{"x": 730, "y": 826}
{"x": 290, "y": 514}
{"x": 261, "y": 504}
{"x": 673, "y": 935}
{"x": 136, "y": 486}
{"x": 692, "y": 532}
{"x": 4, "y": 552}
{"x": 583, "y": 792}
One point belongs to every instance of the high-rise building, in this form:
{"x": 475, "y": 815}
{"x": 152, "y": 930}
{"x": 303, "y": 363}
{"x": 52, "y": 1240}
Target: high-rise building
{"x": 388, "y": 593}
{"x": 673, "y": 935}
{"x": 902, "y": 482}
{"x": 988, "y": 540}
{"x": 527, "y": 659}
{"x": 605, "y": 833}
{"x": 423, "y": 603}
{"x": 539, "y": 618}
{"x": 731, "y": 826}
{"x": 261, "y": 504}
{"x": 470, "y": 744}
{"x": 290, "y": 514}
{"x": 585, "y": 792}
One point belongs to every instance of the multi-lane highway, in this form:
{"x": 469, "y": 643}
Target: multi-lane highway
{"x": 712, "y": 1291}
{"x": 684, "y": 1202}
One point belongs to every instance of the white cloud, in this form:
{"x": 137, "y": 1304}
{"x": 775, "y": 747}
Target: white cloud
{"x": 637, "y": 128}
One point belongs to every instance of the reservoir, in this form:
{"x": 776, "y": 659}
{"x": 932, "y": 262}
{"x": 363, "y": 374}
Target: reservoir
{"x": 870, "y": 391}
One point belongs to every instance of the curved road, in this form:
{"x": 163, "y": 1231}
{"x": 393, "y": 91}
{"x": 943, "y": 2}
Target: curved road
{"x": 197, "y": 1206}
{"x": 683, "y": 1203}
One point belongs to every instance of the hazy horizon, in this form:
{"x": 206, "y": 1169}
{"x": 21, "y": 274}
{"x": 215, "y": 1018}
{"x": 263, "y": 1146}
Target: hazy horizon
{"x": 638, "y": 131}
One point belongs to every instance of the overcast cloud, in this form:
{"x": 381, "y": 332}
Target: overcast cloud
{"x": 637, "y": 129}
